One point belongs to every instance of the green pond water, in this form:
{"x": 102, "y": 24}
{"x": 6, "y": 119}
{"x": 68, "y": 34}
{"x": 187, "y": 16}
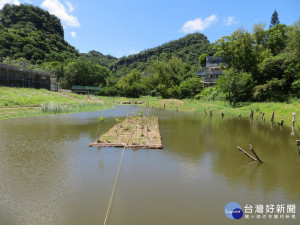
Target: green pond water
{"x": 49, "y": 175}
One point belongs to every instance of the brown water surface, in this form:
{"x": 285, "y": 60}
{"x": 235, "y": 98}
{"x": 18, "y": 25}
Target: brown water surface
{"x": 49, "y": 175}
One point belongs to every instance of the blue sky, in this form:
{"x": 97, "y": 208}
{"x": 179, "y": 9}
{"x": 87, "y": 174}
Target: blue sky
{"x": 123, "y": 27}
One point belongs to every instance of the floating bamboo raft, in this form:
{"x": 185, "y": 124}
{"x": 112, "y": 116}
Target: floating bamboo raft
{"x": 133, "y": 132}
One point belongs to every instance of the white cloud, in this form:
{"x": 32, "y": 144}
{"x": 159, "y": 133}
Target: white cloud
{"x": 3, "y": 2}
{"x": 229, "y": 21}
{"x": 199, "y": 24}
{"x": 132, "y": 52}
{"x": 58, "y": 9}
{"x": 70, "y": 6}
{"x": 73, "y": 34}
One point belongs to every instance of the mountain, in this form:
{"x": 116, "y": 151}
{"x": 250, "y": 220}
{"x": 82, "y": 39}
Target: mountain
{"x": 31, "y": 33}
{"x": 99, "y": 58}
{"x": 188, "y": 49}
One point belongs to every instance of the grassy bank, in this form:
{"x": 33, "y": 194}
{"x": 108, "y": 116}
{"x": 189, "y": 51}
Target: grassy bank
{"x": 283, "y": 111}
{"x": 23, "y": 102}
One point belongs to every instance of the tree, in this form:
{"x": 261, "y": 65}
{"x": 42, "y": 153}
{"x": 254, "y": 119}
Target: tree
{"x": 131, "y": 85}
{"x": 82, "y": 72}
{"x": 274, "y": 19}
{"x": 191, "y": 87}
{"x": 234, "y": 84}
{"x": 259, "y": 34}
{"x": 272, "y": 90}
{"x": 202, "y": 60}
{"x": 277, "y": 38}
{"x": 238, "y": 51}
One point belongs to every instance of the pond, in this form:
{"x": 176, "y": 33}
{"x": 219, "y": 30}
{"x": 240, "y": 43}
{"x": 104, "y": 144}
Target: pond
{"x": 49, "y": 175}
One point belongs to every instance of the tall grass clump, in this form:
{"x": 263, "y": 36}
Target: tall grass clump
{"x": 54, "y": 107}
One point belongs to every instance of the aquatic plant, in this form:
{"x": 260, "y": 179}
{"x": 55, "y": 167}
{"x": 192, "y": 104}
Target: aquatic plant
{"x": 100, "y": 119}
{"x": 54, "y": 107}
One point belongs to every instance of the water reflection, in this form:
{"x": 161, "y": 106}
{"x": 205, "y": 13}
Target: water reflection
{"x": 49, "y": 175}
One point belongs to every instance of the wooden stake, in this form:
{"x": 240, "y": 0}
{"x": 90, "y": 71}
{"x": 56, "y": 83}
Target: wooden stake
{"x": 251, "y": 114}
{"x": 272, "y": 117}
{"x": 222, "y": 115}
{"x": 210, "y": 113}
{"x": 164, "y": 106}
{"x": 205, "y": 112}
{"x": 262, "y": 116}
{"x": 294, "y": 119}
{"x": 176, "y": 108}
{"x": 246, "y": 153}
{"x": 254, "y": 153}
{"x": 298, "y": 144}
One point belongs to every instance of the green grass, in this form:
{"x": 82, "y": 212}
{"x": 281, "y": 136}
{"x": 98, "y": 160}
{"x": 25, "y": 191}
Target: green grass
{"x": 24, "y": 102}
{"x": 21, "y": 102}
{"x": 34, "y": 97}
{"x": 283, "y": 111}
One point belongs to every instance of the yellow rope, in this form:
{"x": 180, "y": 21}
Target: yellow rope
{"x": 116, "y": 180}
{"x": 115, "y": 184}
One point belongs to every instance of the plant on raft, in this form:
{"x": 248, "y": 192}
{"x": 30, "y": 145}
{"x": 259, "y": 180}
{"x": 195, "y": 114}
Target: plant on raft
{"x": 118, "y": 120}
{"x": 140, "y": 113}
{"x": 100, "y": 119}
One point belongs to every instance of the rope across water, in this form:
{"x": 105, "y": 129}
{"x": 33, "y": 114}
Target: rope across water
{"x": 116, "y": 181}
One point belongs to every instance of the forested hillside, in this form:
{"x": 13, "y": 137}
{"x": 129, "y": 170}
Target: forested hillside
{"x": 188, "y": 49}
{"x": 33, "y": 34}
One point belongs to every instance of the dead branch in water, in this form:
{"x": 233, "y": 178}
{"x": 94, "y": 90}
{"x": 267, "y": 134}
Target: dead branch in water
{"x": 246, "y": 153}
{"x": 254, "y": 153}
{"x": 281, "y": 123}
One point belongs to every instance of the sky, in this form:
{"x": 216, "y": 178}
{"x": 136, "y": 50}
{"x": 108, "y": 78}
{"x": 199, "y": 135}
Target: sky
{"x": 125, "y": 27}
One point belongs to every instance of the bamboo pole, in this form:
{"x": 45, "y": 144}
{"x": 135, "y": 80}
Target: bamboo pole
{"x": 254, "y": 153}
{"x": 246, "y": 153}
